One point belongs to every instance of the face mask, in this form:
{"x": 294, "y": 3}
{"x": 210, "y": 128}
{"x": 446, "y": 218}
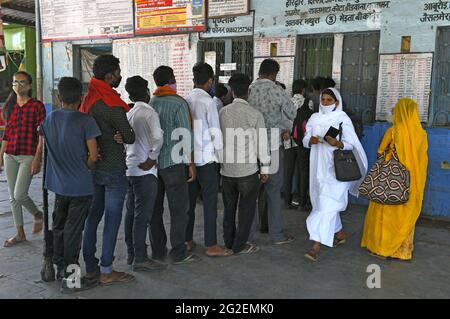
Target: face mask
{"x": 21, "y": 89}
{"x": 327, "y": 109}
{"x": 212, "y": 90}
{"x": 117, "y": 83}
{"x": 173, "y": 86}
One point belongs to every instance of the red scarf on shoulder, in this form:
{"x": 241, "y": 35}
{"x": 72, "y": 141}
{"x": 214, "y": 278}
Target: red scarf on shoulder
{"x": 99, "y": 90}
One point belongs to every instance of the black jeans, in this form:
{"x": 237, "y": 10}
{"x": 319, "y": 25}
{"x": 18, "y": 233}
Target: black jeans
{"x": 68, "y": 223}
{"x": 208, "y": 183}
{"x": 303, "y": 176}
{"x": 242, "y": 192}
{"x": 142, "y": 191}
{"x": 172, "y": 180}
{"x": 292, "y": 165}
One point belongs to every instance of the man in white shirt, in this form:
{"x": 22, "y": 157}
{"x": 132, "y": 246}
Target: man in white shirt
{"x": 141, "y": 174}
{"x": 207, "y": 145}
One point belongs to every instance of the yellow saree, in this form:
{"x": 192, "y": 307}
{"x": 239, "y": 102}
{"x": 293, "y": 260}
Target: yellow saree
{"x": 389, "y": 229}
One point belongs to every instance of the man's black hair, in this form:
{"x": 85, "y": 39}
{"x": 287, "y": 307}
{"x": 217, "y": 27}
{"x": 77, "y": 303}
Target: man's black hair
{"x": 163, "y": 75}
{"x": 298, "y": 86}
{"x": 137, "y": 88}
{"x": 318, "y": 83}
{"x": 269, "y": 67}
{"x": 221, "y": 91}
{"x": 105, "y": 64}
{"x": 239, "y": 84}
{"x": 328, "y": 83}
{"x": 70, "y": 90}
{"x": 203, "y": 72}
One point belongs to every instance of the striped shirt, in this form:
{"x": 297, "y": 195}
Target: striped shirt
{"x": 173, "y": 114}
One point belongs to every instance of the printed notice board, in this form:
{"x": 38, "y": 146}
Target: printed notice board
{"x": 404, "y": 75}
{"x": 85, "y": 19}
{"x": 141, "y": 56}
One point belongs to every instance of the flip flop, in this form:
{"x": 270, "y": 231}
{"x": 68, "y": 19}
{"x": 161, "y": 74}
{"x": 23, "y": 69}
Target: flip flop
{"x": 13, "y": 241}
{"x": 338, "y": 242}
{"x": 223, "y": 253}
{"x": 312, "y": 255}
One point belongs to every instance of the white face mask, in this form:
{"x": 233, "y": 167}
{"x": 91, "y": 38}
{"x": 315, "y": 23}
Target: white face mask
{"x": 327, "y": 109}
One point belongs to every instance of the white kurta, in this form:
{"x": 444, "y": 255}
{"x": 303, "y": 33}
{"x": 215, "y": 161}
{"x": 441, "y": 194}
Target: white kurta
{"x": 329, "y": 196}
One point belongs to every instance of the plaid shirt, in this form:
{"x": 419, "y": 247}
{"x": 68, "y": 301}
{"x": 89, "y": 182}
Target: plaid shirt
{"x": 21, "y": 131}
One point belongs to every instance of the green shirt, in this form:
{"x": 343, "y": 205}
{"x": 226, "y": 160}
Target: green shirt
{"x": 173, "y": 113}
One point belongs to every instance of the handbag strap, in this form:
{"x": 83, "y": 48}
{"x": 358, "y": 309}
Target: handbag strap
{"x": 340, "y": 132}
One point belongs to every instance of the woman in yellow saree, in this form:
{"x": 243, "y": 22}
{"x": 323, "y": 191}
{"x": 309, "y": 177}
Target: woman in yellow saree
{"x": 389, "y": 229}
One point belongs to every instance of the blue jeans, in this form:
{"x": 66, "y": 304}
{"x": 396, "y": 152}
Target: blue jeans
{"x": 109, "y": 196}
{"x": 142, "y": 191}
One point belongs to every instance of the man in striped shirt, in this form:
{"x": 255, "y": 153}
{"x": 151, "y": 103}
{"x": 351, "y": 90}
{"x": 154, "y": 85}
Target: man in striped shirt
{"x": 175, "y": 170}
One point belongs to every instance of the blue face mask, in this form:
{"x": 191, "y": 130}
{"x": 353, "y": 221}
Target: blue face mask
{"x": 212, "y": 90}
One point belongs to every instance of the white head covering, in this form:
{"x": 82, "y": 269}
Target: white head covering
{"x": 324, "y": 120}
{"x": 339, "y": 98}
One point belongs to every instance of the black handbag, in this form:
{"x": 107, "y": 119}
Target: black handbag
{"x": 345, "y": 164}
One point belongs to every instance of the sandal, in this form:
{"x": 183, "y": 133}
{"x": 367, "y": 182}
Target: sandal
{"x": 249, "y": 249}
{"x": 14, "y": 241}
{"x": 312, "y": 255}
{"x": 115, "y": 278}
{"x": 38, "y": 223}
{"x": 338, "y": 241}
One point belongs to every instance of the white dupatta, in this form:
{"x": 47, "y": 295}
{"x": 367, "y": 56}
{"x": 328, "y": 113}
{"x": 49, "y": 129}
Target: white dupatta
{"x": 318, "y": 124}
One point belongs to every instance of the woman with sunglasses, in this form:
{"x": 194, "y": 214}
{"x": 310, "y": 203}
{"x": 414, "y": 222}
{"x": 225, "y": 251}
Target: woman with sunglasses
{"x": 21, "y": 151}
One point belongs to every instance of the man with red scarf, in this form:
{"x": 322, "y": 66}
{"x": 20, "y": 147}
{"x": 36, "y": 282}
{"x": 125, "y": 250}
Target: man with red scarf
{"x": 110, "y": 182}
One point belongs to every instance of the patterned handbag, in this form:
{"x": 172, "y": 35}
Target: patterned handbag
{"x": 388, "y": 182}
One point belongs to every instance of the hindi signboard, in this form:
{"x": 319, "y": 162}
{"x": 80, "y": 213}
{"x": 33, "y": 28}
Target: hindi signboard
{"x": 169, "y": 16}
{"x": 227, "y": 8}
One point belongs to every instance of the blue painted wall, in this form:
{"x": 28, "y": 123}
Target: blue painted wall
{"x": 437, "y": 192}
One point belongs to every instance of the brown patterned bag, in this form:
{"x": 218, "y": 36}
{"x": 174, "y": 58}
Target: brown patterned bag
{"x": 388, "y": 182}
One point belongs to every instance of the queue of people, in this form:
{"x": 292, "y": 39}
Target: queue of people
{"x": 103, "y": 153}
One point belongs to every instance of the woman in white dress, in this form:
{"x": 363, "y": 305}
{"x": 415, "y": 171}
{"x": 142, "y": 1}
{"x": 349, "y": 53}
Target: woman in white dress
{"x": 329, "y": 196}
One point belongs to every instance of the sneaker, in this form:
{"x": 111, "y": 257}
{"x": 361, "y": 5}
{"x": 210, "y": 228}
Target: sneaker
{"x": 295, "y": 203}
{"x": 93, "y": 276}
{"x": 286, "y": 240}
{"x": 190, "y": 259}
{"x": 85, "y": 284}
{"x": 149, "y": 265}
